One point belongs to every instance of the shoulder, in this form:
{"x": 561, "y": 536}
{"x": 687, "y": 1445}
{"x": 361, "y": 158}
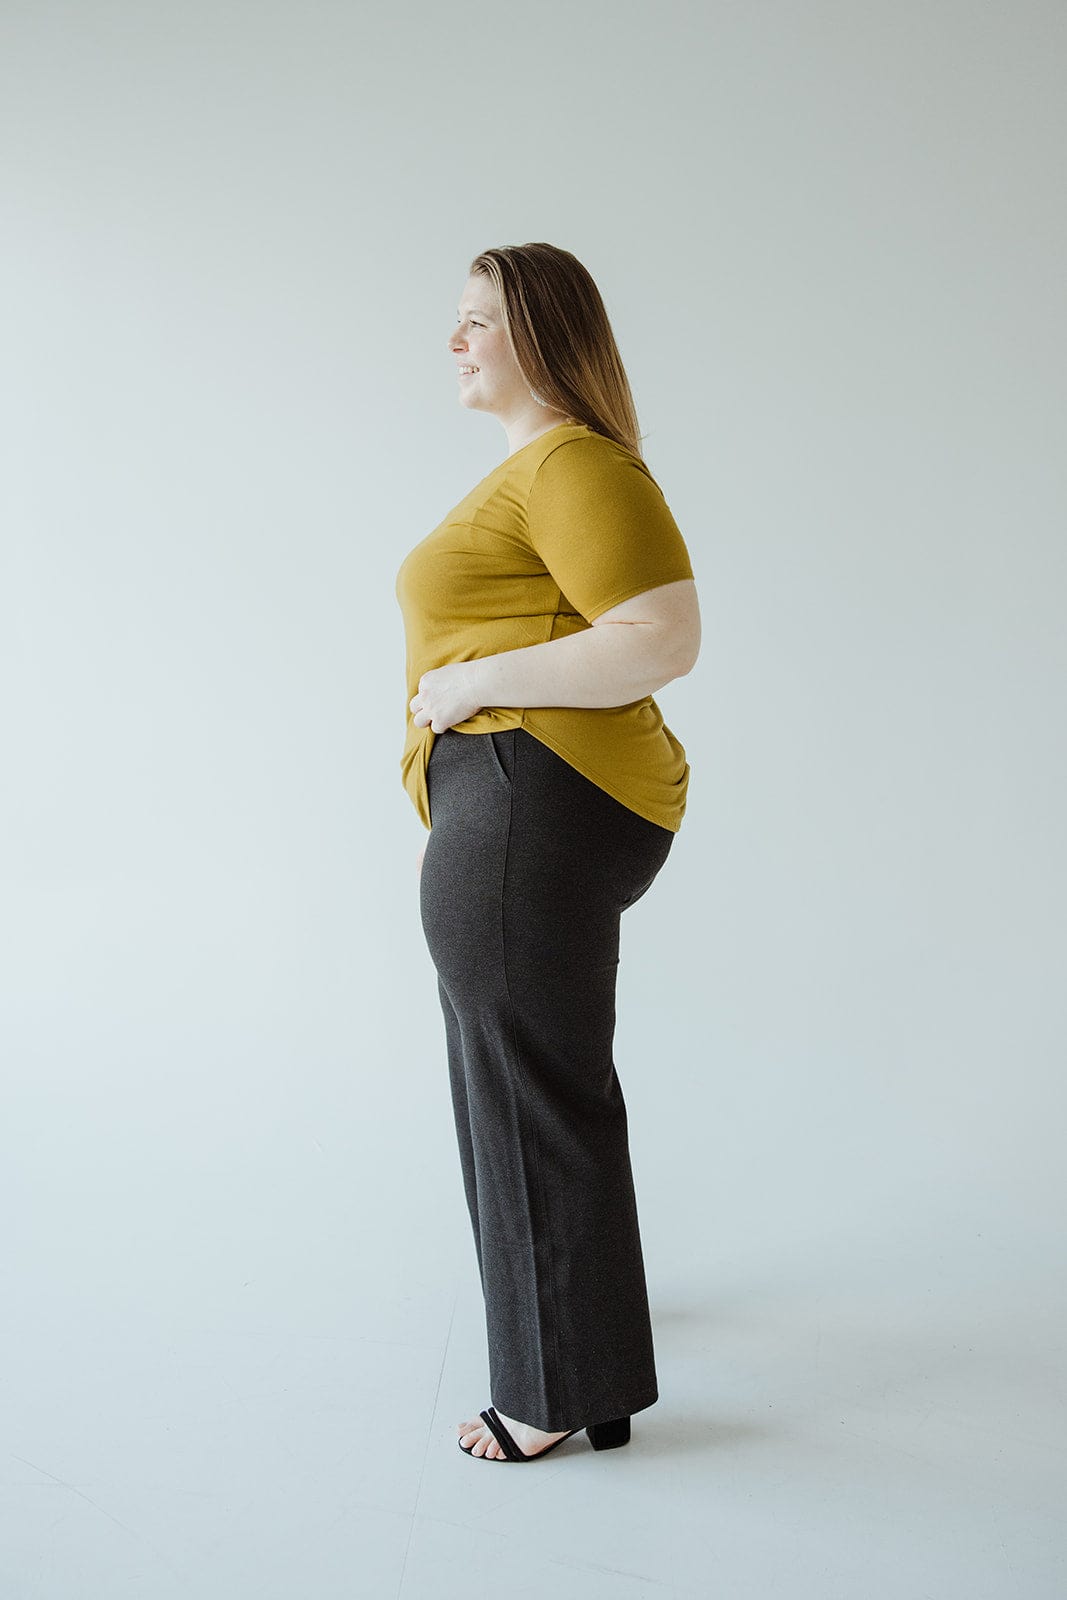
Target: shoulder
{"x": 582, "y": 444}
{"x": 591, "y": 463}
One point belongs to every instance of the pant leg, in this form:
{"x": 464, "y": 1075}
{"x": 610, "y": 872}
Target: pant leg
{"x": 461, "y": 1108}
{"x": 527, "y": 870}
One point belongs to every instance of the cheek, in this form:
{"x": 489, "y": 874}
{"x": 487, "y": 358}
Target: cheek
{"x": 496, "y": 355}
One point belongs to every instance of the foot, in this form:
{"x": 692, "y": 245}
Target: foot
{"x": 477, "y": 1437}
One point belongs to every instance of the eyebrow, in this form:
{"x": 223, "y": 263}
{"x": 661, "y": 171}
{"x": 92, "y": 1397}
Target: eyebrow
{"x": 476, "y": 310}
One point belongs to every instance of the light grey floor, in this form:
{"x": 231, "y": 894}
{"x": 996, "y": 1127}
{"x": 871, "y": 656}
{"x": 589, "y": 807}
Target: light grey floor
{"x": 261, "y": 1403}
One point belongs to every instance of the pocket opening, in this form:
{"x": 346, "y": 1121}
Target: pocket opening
{"x": 490, "y": 739}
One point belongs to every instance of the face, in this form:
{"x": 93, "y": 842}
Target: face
{"x": 479, "y": 340}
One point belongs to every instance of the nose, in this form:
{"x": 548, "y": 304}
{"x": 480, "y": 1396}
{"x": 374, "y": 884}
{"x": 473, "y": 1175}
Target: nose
{"x": 456, "y": 341}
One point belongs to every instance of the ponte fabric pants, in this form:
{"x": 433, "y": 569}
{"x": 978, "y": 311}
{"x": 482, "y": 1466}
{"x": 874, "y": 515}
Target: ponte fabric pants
{"x": 527, "y": 870}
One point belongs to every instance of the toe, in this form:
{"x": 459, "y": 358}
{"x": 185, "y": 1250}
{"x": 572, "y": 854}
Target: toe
{"x": 479, "y": 1440}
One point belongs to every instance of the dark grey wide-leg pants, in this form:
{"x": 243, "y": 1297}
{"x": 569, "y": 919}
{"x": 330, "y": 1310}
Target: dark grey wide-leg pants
{"x": 528, "y": 868}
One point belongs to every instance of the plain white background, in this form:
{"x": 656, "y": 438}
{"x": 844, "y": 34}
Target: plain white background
{"x": 242, "y": 1312}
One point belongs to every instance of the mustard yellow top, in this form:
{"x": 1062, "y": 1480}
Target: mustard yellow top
{"x": 564, "y": 528}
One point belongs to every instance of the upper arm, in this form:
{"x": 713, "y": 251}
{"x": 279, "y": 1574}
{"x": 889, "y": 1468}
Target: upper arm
{"x": 673, "y": 609}
{"x": 600, "y": 524}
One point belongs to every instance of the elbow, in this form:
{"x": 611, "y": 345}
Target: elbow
{"x": 675, "y": 666}
{"x": 681, "y": 647}
{"x": 687, "y": 657}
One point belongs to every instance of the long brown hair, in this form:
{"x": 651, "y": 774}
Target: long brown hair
{"x": 561, "y": 337}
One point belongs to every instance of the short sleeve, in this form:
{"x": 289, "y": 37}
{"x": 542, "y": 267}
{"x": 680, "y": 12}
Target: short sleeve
{"x": 600, "y": 524}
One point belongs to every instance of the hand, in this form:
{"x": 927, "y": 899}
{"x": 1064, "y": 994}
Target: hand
{"x": 447, "y": 695}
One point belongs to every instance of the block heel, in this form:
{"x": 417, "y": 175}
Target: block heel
{"x": 606, "y": 1435}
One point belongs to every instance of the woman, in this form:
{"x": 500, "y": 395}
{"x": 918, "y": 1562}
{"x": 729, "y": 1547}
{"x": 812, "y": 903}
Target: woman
{"x": 540, "y": 617}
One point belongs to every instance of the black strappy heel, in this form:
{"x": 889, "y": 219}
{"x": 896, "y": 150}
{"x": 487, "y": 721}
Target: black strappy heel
{"x": 602, "y": 1436}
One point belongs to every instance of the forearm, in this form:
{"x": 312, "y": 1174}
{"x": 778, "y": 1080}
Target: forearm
{"x": 609, "y": 665}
